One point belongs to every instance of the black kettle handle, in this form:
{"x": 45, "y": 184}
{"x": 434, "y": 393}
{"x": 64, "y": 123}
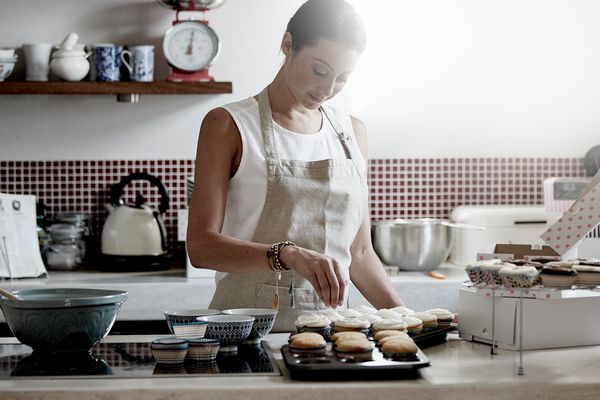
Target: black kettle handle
{"x": 116, "y": 190}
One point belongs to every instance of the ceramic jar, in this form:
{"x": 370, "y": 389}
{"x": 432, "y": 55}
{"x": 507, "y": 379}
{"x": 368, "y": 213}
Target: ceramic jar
{"x": 70, "y": 65}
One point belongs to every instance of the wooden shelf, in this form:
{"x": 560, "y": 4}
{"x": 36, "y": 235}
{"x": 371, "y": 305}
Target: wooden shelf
{"x": 118, "y": 88}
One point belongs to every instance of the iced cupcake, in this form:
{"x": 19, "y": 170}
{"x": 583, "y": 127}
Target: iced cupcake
{"x": 414, "y": 326}
{"x": 490, "y": 269}
{"x": 429, "y": 321}
{"x": 403, "y": 310}
{"x": 444, "y": 317}
{"x": 389, "y": 325}
{"x": 348, "y": 313}
{"x": 315, "y": 323}
{"x": 352, "y": 325}
{"x": 474, "y": 273}
{"x": 518, "y": 277}
{"x": 388, "y": 313}
{"x": 558, "y": 278}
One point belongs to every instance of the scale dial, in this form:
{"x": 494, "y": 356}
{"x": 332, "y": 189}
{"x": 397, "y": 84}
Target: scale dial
{"x": 191, "y": 46}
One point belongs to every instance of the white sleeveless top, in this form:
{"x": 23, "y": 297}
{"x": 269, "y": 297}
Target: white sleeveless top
{"x": 248, "y": 187}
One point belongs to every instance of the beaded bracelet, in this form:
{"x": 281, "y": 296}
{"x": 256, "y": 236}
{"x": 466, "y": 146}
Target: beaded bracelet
{"x": 273, "y": 256}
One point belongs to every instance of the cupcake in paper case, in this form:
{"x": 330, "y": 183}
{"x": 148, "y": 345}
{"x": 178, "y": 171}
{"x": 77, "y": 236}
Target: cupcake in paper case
{"x": 403, "y": 310}
{"x": 315, "y": 323}
{"x": 474, "y": 273}
{"x": 558, "y": 278}
{"x": 414, "y": 326}
{"x": 308, "y": 344}
{"x": 388, "y": 313}
{"x": 429, "y": 321}
{"x": 444, "y": 317}
{"x": 372, "y": 319}
{"x": 364, "y": 309}
{"x": 353, "y": 325}
{"x": 587, "y": 275}
{"x": 401, "y": 349}
{"x": 490, "y": 269}
{"x": 348, "y": 312}
{"x": 518, "y": 277}
{"x": 354, "y": 349}
{"x": 389, "y": 324}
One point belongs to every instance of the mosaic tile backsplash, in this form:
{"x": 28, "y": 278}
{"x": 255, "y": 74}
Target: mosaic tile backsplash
{"x": 399, "y": 188}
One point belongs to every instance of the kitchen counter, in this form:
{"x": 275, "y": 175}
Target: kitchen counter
{"x": 151, "y": 293}
{"x": 459, "y": 370}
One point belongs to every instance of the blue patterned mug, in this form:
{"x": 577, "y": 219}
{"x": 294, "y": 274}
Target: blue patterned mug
{"x": 108, "y": 62}
{"x": 140, "y": 64}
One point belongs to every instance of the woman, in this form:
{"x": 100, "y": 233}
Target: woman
{"x": 279, "y": 206}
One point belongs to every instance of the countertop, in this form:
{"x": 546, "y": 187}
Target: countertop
{"x": 151, "y": 293}
{"x": 459, "y": 370}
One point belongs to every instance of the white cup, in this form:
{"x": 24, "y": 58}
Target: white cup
{"x": 37, "y": 59}
{"x": 141, "y": 62}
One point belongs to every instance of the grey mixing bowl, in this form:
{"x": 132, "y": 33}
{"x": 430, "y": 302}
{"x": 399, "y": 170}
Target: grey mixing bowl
{"x": 60, "y": 319}
{"x": 413, "y": 245}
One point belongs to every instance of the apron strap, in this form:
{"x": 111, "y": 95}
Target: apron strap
{"x": 344, "y": 139}
{"x": 266, "y": 125}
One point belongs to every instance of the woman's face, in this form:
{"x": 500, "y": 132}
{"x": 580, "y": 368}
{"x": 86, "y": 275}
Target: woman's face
{"x": 317, "y": 73}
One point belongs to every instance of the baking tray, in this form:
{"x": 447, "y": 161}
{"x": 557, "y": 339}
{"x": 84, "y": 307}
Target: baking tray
{"x": 328, "y": 366}
{"x": 432, "y": 338}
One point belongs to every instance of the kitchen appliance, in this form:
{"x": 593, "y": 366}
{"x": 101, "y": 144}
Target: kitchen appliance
{"x": 134, "y": 236}
{"x": 421, "y": 244}
{"x": 190, "y": 46}
{"x": 503, "y": 223}
{"x": 115, "y": 359}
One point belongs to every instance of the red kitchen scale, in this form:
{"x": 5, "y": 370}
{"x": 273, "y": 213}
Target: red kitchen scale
{"x": 191, "y": 46}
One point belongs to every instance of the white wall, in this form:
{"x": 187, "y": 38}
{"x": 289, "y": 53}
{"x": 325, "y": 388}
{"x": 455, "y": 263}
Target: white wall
{"x": 440, "y": 78}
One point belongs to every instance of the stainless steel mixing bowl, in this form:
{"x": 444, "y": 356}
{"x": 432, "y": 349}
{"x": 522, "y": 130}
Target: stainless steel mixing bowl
{"x": 413, "y": 245}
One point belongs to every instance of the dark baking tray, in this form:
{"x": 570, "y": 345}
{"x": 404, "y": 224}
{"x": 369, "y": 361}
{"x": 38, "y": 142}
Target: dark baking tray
{"x": 328, "y": 366}
{"x": 434, "y": 337}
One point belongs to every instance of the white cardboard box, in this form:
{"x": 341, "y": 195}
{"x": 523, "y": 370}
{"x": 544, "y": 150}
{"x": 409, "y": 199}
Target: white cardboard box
{"x": 567, "y": 319}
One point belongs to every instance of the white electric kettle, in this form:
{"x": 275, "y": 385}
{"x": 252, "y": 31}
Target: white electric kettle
{"x": 134, "y": 235}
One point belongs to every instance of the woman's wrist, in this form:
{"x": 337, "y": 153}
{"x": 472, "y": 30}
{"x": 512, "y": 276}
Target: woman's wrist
{"x": 274, "y": 259}
{"x": 287, "y": 255}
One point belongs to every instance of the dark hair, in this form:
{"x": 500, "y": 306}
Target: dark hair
{"x": 327, "y": 19}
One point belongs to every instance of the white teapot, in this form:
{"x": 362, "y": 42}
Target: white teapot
{"x": 70, "y": 62}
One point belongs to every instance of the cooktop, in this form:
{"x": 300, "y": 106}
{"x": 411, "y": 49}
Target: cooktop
{"x": 128, "y": 360}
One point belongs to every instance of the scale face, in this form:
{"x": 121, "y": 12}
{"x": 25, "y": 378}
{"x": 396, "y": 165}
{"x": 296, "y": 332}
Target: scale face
{"x": 190, "y": 47}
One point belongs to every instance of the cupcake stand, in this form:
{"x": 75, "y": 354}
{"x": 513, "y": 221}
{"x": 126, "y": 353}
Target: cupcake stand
{"x": 543, "y": 317}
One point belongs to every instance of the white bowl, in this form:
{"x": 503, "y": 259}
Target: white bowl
{"x": 6, "y": 68}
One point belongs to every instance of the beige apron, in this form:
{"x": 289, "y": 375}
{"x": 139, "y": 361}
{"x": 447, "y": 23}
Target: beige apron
{"x": 319, "y": 205}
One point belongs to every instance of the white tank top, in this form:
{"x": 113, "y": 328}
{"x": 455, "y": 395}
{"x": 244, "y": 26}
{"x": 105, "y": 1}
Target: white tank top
{"x": 248, "y": 187}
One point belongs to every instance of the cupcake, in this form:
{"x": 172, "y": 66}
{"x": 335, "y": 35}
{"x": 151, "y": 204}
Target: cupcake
{"x": 348, "y": 313}
{"x": 400, "y": 349}
{"x": 363, "y": 309}
{"x": 490, "y": 269}
{"x": 388, "y": 333}
{"x": 347, "y": 335}
{"x": 315, "y": 323}
{"x": 388, "y": 313}
{"x": 558, "y": 278}
{"x": 414, "y": 326}
{"x": 353, "y": 325}
{"x": 308, "y": 345}
{"x": 474, "y": 273}
{"x": 388, "y": 324}
{"x": 355, "y": 349}
{"x": 403, "y": 310}
{"x": 518, "y": 277}
{"x": 444, "y": 317}
{"x": 429, "y": 321}
{"x": 371, "y": 319}
{"x": 587, "y": 275}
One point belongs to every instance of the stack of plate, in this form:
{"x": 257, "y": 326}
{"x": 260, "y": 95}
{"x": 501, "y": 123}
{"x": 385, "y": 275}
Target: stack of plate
{"x": 8, "y": 59}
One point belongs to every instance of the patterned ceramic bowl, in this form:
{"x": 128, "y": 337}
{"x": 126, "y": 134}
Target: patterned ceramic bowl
{"x": 169, "y": 350}
{"x": 229, "y": 330}
{"x": 264, "y": 318}
{"x": 203, "y": 350}
{"x": 186, "y": 316}
{"x": 190, "y": 330}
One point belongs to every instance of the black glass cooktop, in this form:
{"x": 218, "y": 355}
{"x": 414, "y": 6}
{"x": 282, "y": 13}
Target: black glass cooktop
{"x": 128, "y": 360}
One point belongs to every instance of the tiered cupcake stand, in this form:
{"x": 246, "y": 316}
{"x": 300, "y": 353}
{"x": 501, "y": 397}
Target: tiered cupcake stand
{"x": 537, "y": 292}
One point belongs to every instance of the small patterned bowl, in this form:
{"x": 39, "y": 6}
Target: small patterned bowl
{"x": 229, "y": 330}
{"x": 169, "y": 350}
{"x": 186, "y": 316}
{"x": 190, "y": 330}
{"x": 203, "y": 350}
{"x": 264, "y": 318}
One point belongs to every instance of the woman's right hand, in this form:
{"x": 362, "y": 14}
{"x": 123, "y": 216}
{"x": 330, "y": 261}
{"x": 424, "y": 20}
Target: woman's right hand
{"x": 323, "y": 272}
